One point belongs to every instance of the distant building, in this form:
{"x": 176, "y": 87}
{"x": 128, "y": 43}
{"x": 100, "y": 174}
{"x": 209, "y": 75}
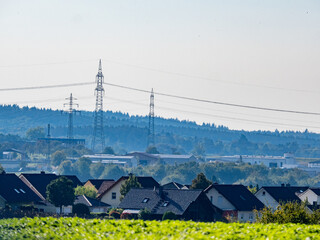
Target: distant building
{"x": 170, "y": 159}
{"x": 286, "y": 161}
{"x": 128, "y": 161}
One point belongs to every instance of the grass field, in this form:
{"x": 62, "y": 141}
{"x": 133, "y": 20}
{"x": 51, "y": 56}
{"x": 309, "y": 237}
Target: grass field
{"x": 77, "y": 228}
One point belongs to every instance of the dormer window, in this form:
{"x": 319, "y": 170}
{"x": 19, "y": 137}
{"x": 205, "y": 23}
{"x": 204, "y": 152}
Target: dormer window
{"x": 21, "y": 190}
{"x": 145, "y": 200}
{"x": 166, "y": 203}
{"x": 17, "y": 191}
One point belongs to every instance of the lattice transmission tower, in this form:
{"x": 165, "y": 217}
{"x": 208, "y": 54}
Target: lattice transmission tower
{"x": 70, "y": 112}
{"x": 98, "y": 131}
{"x": 151, "y": 121}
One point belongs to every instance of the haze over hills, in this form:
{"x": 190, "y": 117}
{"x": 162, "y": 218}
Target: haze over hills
{"x": 129, "y": 133}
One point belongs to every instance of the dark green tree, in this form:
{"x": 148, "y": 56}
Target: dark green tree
{"x": 131, "y": 182}
{"x": 152, "y": 150}
{"x": 60, "y": 192}
{"x": 200, "y": 182}
{"x": 113, "y": 172}
{"x": 80, "y": 209}
{"x": 169, "y": 216}
{"x": 108, "y": 150}
{"x": 58, "y": 157}
{"x": 65, "y": 168}
{"x": 96, "y": 169}
{"x": 82, "y": 168}
{"x": 35, "y": 133}
{"x": 1, "y": 169}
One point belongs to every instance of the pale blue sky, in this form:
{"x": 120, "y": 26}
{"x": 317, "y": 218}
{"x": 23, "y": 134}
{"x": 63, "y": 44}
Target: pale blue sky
{"x": 261, "y": 53}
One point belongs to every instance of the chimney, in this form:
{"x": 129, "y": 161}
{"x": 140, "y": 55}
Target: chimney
{"x": 42, "y": 172}
{"x": 288, "y": 185}
{"x": 282, "y": 184}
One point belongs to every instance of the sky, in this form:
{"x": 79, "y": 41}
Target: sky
{"x": 253, "y": 53}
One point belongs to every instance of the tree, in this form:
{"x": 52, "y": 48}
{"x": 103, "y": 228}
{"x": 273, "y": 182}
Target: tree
{"x": 80, "y": 209}
{"x": 65, "y": 168}
{"x": 169, "y": 216}
{"x": 200, "y": 182}
{"x": 96, "y": 169}
{"x": 58, "y": 157}
{"x": 82, "y": 168}
{"x": 152, "y": 150}
{"x": 113, "y": 172}
{"x": 35, "y": 133}
{"x": 85, "y": 190}
{"x": 60, "y": 192}
{"x": 1, "y": 170}
{"x": 131, "y": 182}
{"x": 108, "y": 150}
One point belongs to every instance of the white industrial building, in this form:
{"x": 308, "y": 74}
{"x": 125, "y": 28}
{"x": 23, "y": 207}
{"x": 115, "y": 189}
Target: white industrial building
{"x": 128, "y": 161}
{"x": 286, "y": 161}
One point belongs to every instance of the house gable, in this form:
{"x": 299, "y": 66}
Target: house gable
{"x": 219, "y": 200}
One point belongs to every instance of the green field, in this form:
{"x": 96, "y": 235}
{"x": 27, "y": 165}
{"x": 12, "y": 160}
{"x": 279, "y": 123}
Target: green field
{"x": 77, "y": 228}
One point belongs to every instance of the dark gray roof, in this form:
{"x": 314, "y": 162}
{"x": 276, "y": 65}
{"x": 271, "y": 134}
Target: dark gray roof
{"x": 14, "y": 190}
{"x": 90, "y": 202}
{"x": 238, "y": 195}
{"x": 178, "y": 200}
{"x": 285, "y": 193}
{"x": 172, "y": 185}
{"x": 41, "y": 180}
{"x": 316, "y": 191}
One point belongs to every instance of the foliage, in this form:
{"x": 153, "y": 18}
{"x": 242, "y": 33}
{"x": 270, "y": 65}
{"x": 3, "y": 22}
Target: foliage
{"x": 85, "y": 190}
{"x": 113, "y": 172}
{"x": 65, "y": 168}
{"x": 108, "y": 150}
{"x": 291, "y": 212}
{"x": 115, "y": 214}
{"x": 80, "y": 209}
{"x": 131, "y": 182}
{"x": 81, "y": 168}
{"x": 169, "y": 216}
{"x": 58, "y": 157}
{"x": 79, "y": 228}
{"x": 200, "y": 182}
{"x": 145, "y": 214}
{"x": 1, "y": 169}
{"x": 96, "y": 169}
{"x": 60, "y": 192}
{"x": 152, "y": 150}
{"x": 35, "y": 133}
{"x": 126, "y": 216}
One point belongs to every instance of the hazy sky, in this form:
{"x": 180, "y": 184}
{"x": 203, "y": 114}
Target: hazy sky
{"x": 259, "y": 53}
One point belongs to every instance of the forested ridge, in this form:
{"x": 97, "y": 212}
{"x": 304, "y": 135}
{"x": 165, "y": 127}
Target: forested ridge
{"x": 129, "y": 133}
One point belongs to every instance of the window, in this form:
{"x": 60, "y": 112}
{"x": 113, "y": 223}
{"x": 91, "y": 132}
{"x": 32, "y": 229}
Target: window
{"x": 16, "y": 191}
{"x": 250, "y": 216}
{"x": 242, "y": 215}
{"x": 263, "y": 193}
{"x": 145, "y": 200}
{"x": 220, "y": 199}
{"x": 211, "y": 199}
{"x": 114, "y": 195}
{"x": 21, "y": 190}
{"x": 166, "y": 203}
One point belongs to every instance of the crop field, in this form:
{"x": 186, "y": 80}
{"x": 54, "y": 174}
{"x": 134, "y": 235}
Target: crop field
{"x": 77, "y": 228}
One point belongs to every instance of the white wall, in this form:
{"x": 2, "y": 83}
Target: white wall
{"x": 266, "y": 199}
{"x": 218, "y": 200}
{"x": 107, "y": 197}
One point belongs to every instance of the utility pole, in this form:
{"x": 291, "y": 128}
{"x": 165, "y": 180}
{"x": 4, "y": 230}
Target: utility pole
{"x": 98, "y": 131}
{"x": 70, "y": 112}
{"x": 151, "y": 121}
{"x": 48, "y": 142}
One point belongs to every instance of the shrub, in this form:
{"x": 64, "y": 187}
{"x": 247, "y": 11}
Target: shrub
{"x": 114, "y": 214}
{"x": 80, "y": 209}
{"x": 126, "y": 216}
{"x": 169, "y": 216}
{"x": 145, "y": 214}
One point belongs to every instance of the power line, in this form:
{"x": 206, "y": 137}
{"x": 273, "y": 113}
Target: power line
{"x": 216, "y": 102}
{"x": 47, "y": 86}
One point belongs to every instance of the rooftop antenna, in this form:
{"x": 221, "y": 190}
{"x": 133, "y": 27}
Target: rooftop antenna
{"x": 98, "y": 131}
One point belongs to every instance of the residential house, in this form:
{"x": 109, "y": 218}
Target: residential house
{"x": 273, "y": 196}
{"x": 95, "y": 206}
{"x": 112, "y": 194}
{"x": 185, "y": 204}
{"x": 99, "y": 185}
{"x": 236, "y": 201}
{"x": 174, "y": 185}
{"x": 38, "y": 183}
{"x": 311, "y": 195}
{"x": 14, "y": 192}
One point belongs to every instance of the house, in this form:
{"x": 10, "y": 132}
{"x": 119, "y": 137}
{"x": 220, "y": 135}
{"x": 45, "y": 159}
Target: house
{"x": 236, "y": 201}
{"x": 99, "y": 185}
{"x": 273, "y": 196}
{"x": 112, "y": 194}
{"x": 95, "y": 206}
{"x": 312, "y": 195}
{"x": 171, "y": 159}
{"x": 174, "y": 185}
{"x": 15, "y": 192}
{"x": 185, "y": 204}
{"x": 38, "y": 183}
